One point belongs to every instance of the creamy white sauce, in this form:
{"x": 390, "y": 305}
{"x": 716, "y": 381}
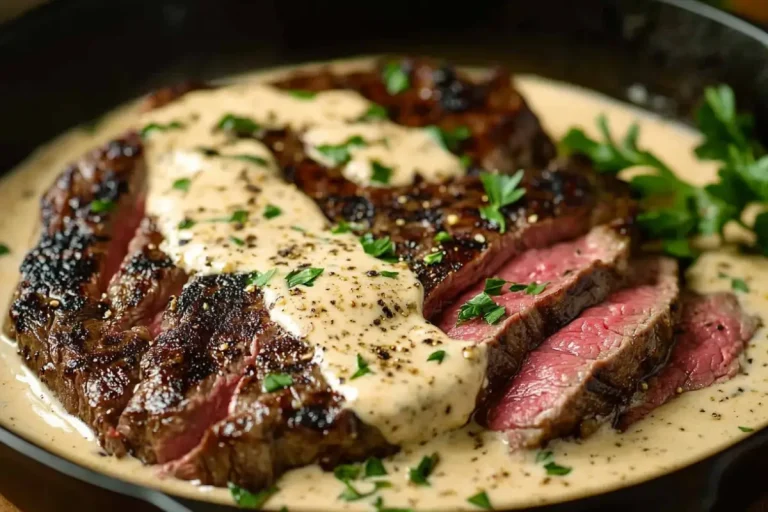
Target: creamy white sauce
{"x": 348, "y": 312}
{"x": 675, "y": 435}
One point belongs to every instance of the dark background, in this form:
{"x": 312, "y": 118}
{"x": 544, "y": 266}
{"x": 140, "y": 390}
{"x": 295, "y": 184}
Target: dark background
{"x": 70, "y": 61}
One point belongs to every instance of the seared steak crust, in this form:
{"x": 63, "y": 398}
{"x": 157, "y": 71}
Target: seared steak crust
{"x": 58, "y": 315}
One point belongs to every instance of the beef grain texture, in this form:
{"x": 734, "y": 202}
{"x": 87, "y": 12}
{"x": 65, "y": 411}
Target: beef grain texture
{"x": 588, "y": 369}
{"x": 712, "y": 333}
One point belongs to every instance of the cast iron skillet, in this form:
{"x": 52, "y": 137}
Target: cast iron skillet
{"x": 68, "y": 62}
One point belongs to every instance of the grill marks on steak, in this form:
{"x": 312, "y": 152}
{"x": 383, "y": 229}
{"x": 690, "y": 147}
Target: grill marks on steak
{"x": 562, "y": 201}
{"x": 506, "y": 133}
{"x": 58, "y": 311}
{"x": 580, "y": 273}
{"x": 267, "y": 433}
{"x": 586, "y": 370}
{"x": 712, "y": 333}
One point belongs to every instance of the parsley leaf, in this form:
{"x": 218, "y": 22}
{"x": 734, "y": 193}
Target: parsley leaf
{"x": 389, "y": 273}
{"x": 186, "y": 224}
{"x": 543, "y": 456}
{"x": 102, "y": 205}
{"x": 346, "y": 472}
{"x": 437, "y": 355}
{"x": 382, "y": 248}
{"x": 746, "y": 429}
{"x": 449, "y": 139}
{"x": 304, "y": 277}
{"x": 259, "y": 279}
{"x": 722, "y": 126}
{"x": 380, "y": 173}
{"x": 395, "y": 79}
{"x": 159, "y": 127}
{"x": 375, "y": 112}
{"x": 276, "y": 382}
{"x": 240, "y": 126}
{"x": 239, "y": 217}
{"x": 374, "y": 467}
{"x": 556, "y": 469}
{"x": 249, "y": 158}
{"x": 442, "y": 236}
{"x": 340, "y": 154}
{"x": 345, "y": 227}
{"x": 378, "y": 504}
{"x": 237, "y": 241}
{"x": 301, "y": 94}
{"x": 481, "y": 305}
{"x": 434, "y": 257}
{"x": 535, "y": 288}
{"x": 4, "y": 249}
{"x": 362, "y": 368}
{"x": 350, "y": 493}
{"x": 493, "y": 285}
{"x": 249, "y": 500}
{"x": 182, "y": 184}
{"x": 481, "y": 500}
{"x": 271, "y": 211}
{"x": 421, "y": 473}
{"x": 502, "y": 190}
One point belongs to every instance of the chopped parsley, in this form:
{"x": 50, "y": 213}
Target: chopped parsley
{"x": 493, "y": 285}
{"x": 237, "y": 241}
{"x": 239, "y": 217}
{"x": 159, "y": 127}
{"x": 449, "y": 139}
{"x": 535, "y": 288}
{"x": 555, "y": 469}
{"x": 437, "y": 355}
{"x": 746, "y": 429}
{"x": 102, "y": 205}
{"x": 362, "y": 368}
{"x": 737, "y": 283}
{"x": 304, "y": 276}
{"x": 247, "y": 499}
{"x": 421, "y": 473}
{"x": 375, "y": 112}
{"x": 299, "y": 229}
{"x": 543, "y": 456}
{"x": 182, "y": 184}
{"x": 378, "y": 504}
{"x": 276, "y": 382}
{"x": 502, "y": 190}
{"x": 345, "y": 227}
{"x": 389, "y": 273}
{"x": 443, "y": 236}
{"x": 4, "y": 249}
{"x": 259, "y": 279}
{"x": 466, "y": 161}
{"x": 481, "y": 500}
{"x": 249, "y": 158}
{"x": 380, "y": 173}
{"x": 240, "y": 126}
{"x": 350, "y": 493}
{"x": 481, "y": 305}
{"x": 674, "y": 210}
{"x": 271, "y": 211}
{"x": 382, "y": 248}
{"x": 374, "y": 467}
{"x": 434, "y": 257}
{"x": 302, "y": 94}
{"x": 340, "y": 154}
{"x": 186, "y": 224}
{"x": 346, "y": 472}
{"x": 395, "y": 79}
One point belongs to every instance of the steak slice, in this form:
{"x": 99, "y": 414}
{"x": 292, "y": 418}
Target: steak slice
{"x": 579, "y": 274}
{"x": 189, "y": 374}
{"x": 585, "y": 371}
{"x": 268, "y": 432}
{"x": 58, "y": 314}
{"x": 712, "y": 333}
{"x": 506, "y": 134}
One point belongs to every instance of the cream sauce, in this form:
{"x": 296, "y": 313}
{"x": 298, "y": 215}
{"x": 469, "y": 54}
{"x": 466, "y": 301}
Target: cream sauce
{"x": 351, "y": 311}
{"x": 675, "y": 435}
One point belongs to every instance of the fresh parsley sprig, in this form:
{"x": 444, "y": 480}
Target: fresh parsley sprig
{"x": 674, "y": 211}
{"x": 502, "y": 190}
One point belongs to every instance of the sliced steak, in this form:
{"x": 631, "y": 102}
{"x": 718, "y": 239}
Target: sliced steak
{"x": 712, "y": 333}
{"x": 506, "y": 135}
{"x": 58, "y": 312}
{"x": 190, "y": 372}
{"x": 269, "y": 432}
{"x": 585, "y": 371}
{"x": 579, "y": 274}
